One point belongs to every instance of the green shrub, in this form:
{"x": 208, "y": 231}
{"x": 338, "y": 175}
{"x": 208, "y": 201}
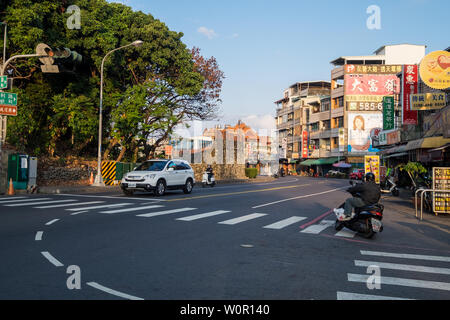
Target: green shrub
{"x": 251, "y": 172}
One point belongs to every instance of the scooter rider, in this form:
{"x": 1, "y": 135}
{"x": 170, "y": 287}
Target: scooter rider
{"x": 369, "y": 192}
{"x": 210, "y": 172}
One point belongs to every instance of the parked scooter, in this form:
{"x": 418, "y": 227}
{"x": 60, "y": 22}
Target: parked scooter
{"x": 207, "y": 180}
{"x": 366, "y": 220}
{"x": 389, "y": 186}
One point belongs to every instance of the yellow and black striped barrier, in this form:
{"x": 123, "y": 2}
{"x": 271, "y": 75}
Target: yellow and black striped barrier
{"x": 109, "y": 172}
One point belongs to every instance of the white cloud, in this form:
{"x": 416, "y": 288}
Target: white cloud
{"x": 260, "y": 122}
{"x": 210, "y": 33}
{"x": 234, "y": 35}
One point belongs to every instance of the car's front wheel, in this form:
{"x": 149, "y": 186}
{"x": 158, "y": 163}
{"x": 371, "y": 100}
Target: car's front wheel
{"x": 160, "y": 189}
{"x": 188, "y": 186}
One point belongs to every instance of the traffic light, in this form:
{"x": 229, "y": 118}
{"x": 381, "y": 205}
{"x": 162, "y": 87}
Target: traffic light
{"x": 68, "y": 55}
{"x": 56, "y": 60}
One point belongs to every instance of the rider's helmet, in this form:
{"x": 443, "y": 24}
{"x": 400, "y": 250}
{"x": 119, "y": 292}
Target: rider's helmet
{"x": 369, "y": 177}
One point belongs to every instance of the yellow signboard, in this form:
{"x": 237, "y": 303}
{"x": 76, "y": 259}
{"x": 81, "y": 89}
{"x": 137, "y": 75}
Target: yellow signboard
{"x": 434, "y": 70}
{"x": 427, "y": 101}
{"x": 372, "y": 164}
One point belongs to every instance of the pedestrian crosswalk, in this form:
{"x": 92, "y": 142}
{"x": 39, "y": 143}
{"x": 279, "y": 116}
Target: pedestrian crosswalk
{"x": 412, "y": 273}
{"x": 76, "y": 205}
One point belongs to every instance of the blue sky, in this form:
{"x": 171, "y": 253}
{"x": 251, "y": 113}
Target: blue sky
{"x": 265, "y": 46}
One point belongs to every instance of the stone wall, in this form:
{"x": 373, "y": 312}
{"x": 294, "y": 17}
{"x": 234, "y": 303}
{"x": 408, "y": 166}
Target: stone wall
{"x": 221, "y": 171}
{"x": 71, "y": 171}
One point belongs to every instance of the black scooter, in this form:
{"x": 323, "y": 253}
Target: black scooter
{"x": 366, "y": 220}
{"x": 389, "y": 186}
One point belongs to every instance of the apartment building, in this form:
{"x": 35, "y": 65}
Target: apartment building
{"x": 358, "y": 85}
{"x": 292, "y": 117}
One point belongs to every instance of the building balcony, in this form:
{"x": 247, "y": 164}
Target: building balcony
{"x": 338, "y": 92}
{"x": 324, "y": 153}
{"x": 319, "y": 116}
{"x": 337, "y": 73}
{"x": 335, "y": 153}
{"x": 337, "y": 112}
{"x": 334, "y": 132}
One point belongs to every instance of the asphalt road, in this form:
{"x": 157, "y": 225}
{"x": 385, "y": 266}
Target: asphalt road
{"x": 259, "y": 241}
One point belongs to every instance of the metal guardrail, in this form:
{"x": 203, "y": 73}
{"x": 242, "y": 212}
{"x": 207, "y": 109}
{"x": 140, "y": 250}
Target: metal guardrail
{"x": 423, "y": 191}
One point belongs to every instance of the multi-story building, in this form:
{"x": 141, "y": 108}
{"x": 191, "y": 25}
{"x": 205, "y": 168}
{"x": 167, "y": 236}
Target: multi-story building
{"x": 358, "y": 85}
{"x": 292, "y": 117}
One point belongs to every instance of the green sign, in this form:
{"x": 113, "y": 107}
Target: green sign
{"x": 388, "y": 113}
{"x": 8, "y": 99}
{"x": 3, "y": 82}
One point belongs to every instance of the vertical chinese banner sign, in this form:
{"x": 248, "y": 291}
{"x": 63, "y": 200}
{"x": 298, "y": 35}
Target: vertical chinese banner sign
{"x": 388, "y": 113}
{"x": 409, "y": 78}
{"x": 305, "y": 144}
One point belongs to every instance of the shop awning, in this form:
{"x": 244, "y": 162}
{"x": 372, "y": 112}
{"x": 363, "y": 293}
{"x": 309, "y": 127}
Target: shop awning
{"x": 318, "y": 162}
{"x": 427, "y": 143}
{"x": 308, "y": 162}
{"x": 394, "y": 155}
{"x": 327, "y": 160}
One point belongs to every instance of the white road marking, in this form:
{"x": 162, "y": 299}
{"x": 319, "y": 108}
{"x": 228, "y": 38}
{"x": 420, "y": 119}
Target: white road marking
{"x": 37, "y": 203}
{"x": 405, "y": 256}
{"x": 299, "y": 197}
{"x": 317, "y": 228}
{"x": 108, "y": 197}
{"x": 284, "y": 223}
{"x": 356, "y": 296}
{"x": 404, "y": 267}
{"x": 113, "y": 292}
{"x": 68, "y": 205}
{"x": 131, "y": 209}
{"x": 24, "y": 200}
{"x": 51, "y": 222}
{"x": 243, "y": 218}
{"x": 77, "y": 212}
{"x": 203, "y": 215}
{"x": 52, "y": 259}
{"x": 346, "y": 233}
{"x": 160, "y": 213}
{"x": 401, "y": 282}
{"x": 38, "y": 236}
{"x": 10, "y": 198}
{"x": 100, "y": 207}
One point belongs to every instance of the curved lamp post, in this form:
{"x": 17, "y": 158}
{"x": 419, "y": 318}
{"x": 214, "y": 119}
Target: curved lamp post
{"x": 99, "y": 179}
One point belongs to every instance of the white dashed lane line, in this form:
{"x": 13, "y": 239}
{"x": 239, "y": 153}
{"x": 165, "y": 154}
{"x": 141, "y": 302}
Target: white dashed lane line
{"x": 113, "y": 292}
{"x": 52, "y": 259}
{"x": 38, "y": 236}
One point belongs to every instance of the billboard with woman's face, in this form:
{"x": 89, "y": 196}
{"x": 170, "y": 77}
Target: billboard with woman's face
{"x": 360, "y": 126}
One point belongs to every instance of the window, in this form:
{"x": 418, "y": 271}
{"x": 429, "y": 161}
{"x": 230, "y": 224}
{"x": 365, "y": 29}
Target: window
{"x": 152, "y": 166}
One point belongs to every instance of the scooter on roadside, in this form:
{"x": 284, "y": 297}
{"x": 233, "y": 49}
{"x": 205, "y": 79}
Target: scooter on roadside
{"x": 208, "y": 179}
{"x": 366, "y": 220}
{"x": 389, "y": 186}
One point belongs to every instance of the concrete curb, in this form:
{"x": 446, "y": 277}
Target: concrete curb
{"x": 116, "y": 189}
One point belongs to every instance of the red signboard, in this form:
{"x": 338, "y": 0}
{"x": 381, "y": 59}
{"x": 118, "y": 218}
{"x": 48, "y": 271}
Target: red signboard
{"x": 305, "y": 144}
{"x": 371, "y": 84}
{"x": 410, "y": 79}
{"x": 8, "y": 110}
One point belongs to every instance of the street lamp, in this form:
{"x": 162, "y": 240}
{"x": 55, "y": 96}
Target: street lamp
{"x": 99, "y": 179}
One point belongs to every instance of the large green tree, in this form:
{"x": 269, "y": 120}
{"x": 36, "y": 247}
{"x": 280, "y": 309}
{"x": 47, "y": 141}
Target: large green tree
{"x": 147, "y": 90}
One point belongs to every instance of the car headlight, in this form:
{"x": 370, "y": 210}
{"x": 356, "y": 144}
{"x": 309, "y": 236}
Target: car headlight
{"x": 150, "y": 176}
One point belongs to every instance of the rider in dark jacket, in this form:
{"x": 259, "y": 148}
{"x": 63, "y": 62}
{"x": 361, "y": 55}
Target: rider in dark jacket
{"x": 369, "y": 193}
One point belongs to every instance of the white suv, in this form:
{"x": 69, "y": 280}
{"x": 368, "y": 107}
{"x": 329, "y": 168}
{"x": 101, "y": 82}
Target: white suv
{"x": 159, "y": 176}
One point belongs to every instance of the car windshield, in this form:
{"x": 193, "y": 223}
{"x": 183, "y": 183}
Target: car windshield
{"x": 152, "y": 166}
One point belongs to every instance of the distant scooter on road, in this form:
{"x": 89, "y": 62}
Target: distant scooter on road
{"x": 208, "y": 179}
